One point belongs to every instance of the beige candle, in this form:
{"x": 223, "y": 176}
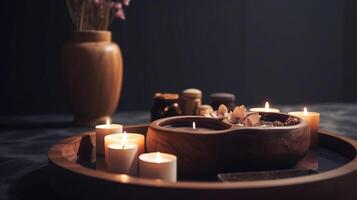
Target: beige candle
{"x": 265, "y": 109}
{"x": 103, "y": 130}
{"x": 191, "y": 99}
{"x": 122, "y": 158}
{"x": 131, "y": 138}
{"x": 158, "y": 166}
{"x": 313, "y": 121}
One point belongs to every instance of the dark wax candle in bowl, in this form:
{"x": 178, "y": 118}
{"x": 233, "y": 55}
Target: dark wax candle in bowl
{"x": 217, "y": 147}
{"x": 203, "y": 125}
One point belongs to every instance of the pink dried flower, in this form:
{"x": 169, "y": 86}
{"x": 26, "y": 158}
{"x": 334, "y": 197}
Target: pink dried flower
{"x": 119, "y": 8}
{"x": 126, "y": 2}
{"x": 116, "y": 5}
{"x": 96, "y": 14}
{"x": 120, "y": 14}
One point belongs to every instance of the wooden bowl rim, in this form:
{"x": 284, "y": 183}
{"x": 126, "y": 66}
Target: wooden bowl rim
{"x": 58, "y": 159}
{"x": 157, "y": 124}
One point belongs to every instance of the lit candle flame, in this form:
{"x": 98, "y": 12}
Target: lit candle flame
{"x": 194, "y": 125}
{"x": 305, "y": 111}
{"x": 108, "y": 121}
{"x": 158, "y": 157}
{"x": 125, "y": 135}
{"x": 267, "y": 106}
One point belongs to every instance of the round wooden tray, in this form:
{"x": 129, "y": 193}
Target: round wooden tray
{"x": 75, "y": 173}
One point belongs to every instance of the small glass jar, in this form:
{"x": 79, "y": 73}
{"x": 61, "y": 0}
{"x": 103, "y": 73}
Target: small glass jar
{"x": 165, "y": 105}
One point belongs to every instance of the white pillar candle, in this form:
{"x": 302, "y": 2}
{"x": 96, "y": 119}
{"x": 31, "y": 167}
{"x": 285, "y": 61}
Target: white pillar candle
{"x": 122, "y": 158}
{"x": 313, "y": 121}
{"x": 158, "y": 166}
{"x": 103, "y": 130}
{"x": 265, "y": 109}
{"x": 131, "y": 138}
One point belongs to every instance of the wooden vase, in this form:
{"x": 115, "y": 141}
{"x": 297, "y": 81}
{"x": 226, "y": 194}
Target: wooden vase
{"x": 93, "y": 73}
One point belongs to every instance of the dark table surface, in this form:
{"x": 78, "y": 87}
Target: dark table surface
{"x": 25, "y": 140}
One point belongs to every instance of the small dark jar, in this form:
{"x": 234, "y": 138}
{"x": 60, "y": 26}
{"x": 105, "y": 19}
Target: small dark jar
{"x": 165, "y": 105}
{"x": 227, "y": 99}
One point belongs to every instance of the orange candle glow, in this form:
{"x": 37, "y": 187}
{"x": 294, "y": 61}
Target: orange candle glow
{"x": 313, "y": 121}
{"x": 103, "y": 130}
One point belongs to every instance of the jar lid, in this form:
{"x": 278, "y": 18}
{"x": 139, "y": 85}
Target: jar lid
{"x": 192, "y": 92}
{"x": 221, "y": 96}
{"x": 166, "y": 96}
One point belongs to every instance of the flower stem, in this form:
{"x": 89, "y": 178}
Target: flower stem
{"x": 82, "y": 15}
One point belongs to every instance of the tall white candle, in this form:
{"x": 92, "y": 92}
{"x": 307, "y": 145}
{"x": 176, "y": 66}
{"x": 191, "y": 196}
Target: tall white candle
{"x": 265, "y": 109}
{"x": 158, "y": 166}
{"x": 103, "y": 130}
{"x": 313, "y": 121}
{"x": 133, "y": 138}
{"x": 122, "y": 158}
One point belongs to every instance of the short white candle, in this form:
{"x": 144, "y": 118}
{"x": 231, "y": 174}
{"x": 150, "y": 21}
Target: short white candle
{"x": 265, "y": 109}
{"x": 313, "y": 121}
{"x": 122, "y": 158}
{"x": 131, "y": 138}
{"x": 103, "y": 130}
{"x": 158, "y": 165}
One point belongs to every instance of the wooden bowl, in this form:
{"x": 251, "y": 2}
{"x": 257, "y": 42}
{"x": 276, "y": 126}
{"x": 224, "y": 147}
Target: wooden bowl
{"x": 217, "y": 147}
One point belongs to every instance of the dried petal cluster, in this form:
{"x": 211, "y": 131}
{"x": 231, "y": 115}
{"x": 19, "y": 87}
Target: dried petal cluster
{"x": 241, "y": 117}
{"x": 95, "y": 14}
{"x": 116, "y": 6}
{"x": 221, "y": 113}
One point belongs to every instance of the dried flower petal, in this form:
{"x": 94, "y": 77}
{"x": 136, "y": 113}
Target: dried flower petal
{"x": 222, "y": 110}
{"x": 120, "y": 14}
{"x": 126, "y": 2}
{"x": 116, "y": 5}
{"x": 215, "y": 115}
{"x": 252, "y": 120}
{"x": 240, "y": 112}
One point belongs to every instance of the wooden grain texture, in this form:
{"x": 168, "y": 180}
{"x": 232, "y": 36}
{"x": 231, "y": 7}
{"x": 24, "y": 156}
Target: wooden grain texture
{"x": 204, "y": 153}
{"x": 73, "y": 181}
{"x": 93, "y": 70}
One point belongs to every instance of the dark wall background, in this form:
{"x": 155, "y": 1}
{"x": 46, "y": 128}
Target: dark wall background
{"x": 296, "y": 51}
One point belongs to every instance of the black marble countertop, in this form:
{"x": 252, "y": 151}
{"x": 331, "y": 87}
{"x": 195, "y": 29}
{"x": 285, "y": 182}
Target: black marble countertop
{"x": 25, "y": 140}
